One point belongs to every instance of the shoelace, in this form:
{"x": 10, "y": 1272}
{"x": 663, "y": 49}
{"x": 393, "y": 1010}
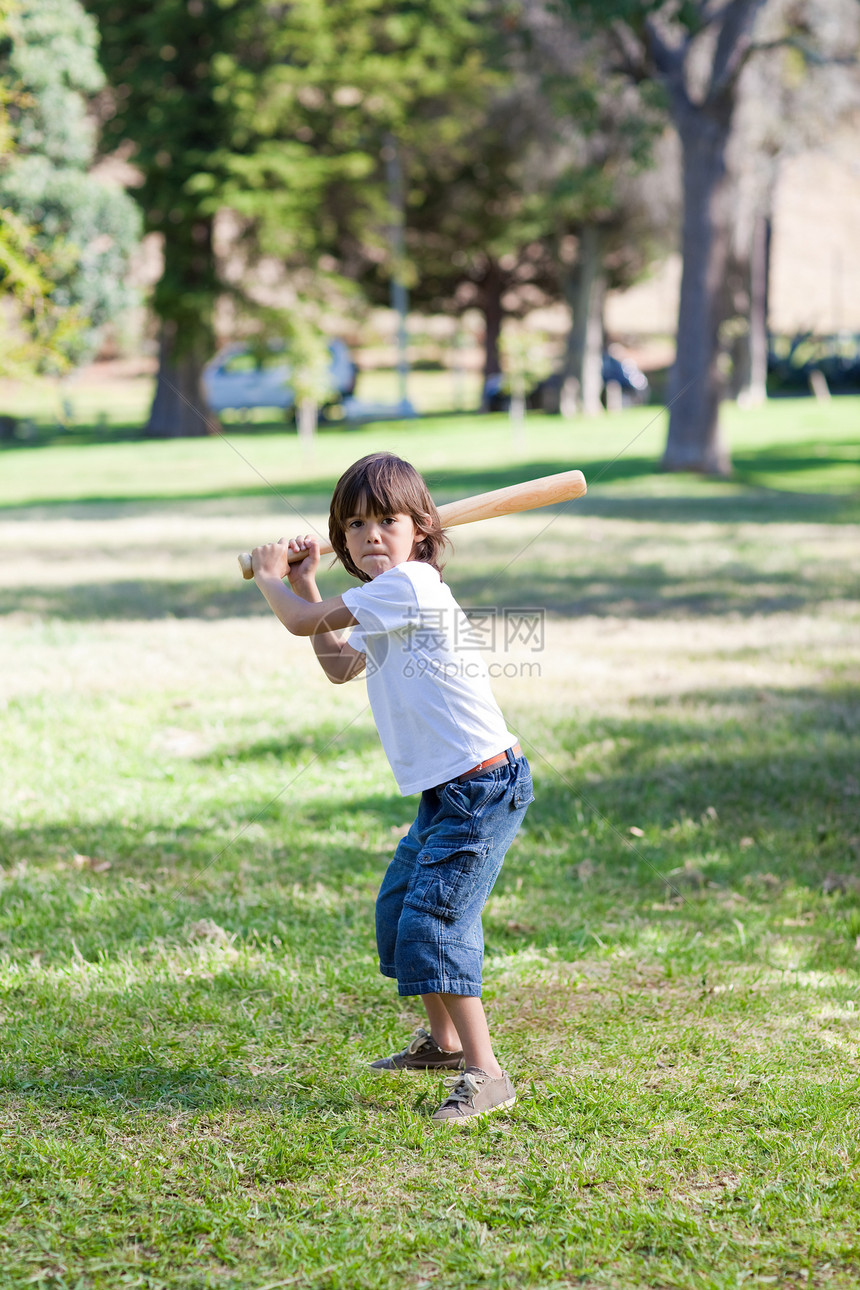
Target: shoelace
{"x": 463, "y": 1087}
{"x": 418, "y": 1041}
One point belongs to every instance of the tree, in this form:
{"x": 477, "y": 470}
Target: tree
{"x": 595, "y": 152}
{"x": 546, "y": 201}
{"x": 163, "y": 61}
{"x": 29, "y": 328}
{"x": 276, "y": 112}
{"x": 475, "y": 236}
{"x": 696, "y": 53}
{"x": 76, "y": 232}
{"x": 339, "y": 86}
{"x": 793, "y": 97}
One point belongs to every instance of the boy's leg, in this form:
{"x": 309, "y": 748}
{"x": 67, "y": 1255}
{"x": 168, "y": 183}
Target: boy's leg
{"x": 466, "y": 1013}
{"x": 483, "y": 1086}
{"x": 442, "y": 1028}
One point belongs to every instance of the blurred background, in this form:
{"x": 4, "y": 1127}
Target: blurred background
{"x": 233, "y": 213}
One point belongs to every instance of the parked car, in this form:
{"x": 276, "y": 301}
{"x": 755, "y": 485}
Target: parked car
{"x": 546, "y": 396}
{"x": 241, "y": 377}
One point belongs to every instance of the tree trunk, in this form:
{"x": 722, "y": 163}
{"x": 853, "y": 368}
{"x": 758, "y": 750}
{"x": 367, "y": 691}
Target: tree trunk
{"x": 307, "y": 417}
{"x": 184, "y": 301}
{"x": 585, "y": 290}
{"x": 695, "y": 441}
{"x": 490, "y": 301}
{"x": 749, "y": 348}
{"x": 587, "y": 334}
{"x": 179, "y": 409}
{"x": 756, "y": 391}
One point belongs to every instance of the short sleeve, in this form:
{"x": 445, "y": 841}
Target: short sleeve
{"x": 385, "y": 605}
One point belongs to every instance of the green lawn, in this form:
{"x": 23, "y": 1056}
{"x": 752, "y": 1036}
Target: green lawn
{"x": 194, "y": 823}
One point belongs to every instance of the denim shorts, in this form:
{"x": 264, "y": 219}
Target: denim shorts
{"x": 428, "y": 912}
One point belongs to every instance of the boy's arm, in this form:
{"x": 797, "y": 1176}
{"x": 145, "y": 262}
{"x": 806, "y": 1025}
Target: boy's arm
{"x": 302, "y": 609}
{"x": 337, "y": 658}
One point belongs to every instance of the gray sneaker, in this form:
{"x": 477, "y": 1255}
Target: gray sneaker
{"x": 422, "y": 1053}
{"x": 474, "y": 1094}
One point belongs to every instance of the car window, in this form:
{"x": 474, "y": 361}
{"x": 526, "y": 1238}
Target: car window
{"x": 239, "y": 363}
{"x": 248, "y": 361}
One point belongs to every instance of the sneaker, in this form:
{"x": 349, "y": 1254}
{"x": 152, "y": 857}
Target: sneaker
{"x": 474, "y": 1093}
{"x": 422, "y": 1053}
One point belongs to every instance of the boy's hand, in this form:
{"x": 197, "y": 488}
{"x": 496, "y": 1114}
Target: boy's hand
{"x": 302, "y": 574}
{"x": 272, "y": 561}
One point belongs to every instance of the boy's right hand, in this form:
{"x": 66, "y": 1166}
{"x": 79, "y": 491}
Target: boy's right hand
{"x": 302, "y": 574}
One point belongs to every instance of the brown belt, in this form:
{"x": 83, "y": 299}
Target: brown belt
{"x": 491, "y": 761}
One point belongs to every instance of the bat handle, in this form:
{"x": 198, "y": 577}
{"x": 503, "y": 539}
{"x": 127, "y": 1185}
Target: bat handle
{"x": 294, "y": 557}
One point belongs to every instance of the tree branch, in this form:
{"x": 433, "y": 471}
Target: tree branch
{"x": 811, "y": 56}
{"x": 633, "y": 61}
{"x": 734, "y": 44}
{"x": 669, "y": 61}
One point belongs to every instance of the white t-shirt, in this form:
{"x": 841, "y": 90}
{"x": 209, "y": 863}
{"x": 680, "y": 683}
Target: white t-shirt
{"x": 427, "y": 684}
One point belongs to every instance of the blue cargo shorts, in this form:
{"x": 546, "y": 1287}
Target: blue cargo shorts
{"x": 428, "y": 912}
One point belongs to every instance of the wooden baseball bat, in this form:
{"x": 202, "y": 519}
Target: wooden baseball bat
{"x": 527, "y": 496}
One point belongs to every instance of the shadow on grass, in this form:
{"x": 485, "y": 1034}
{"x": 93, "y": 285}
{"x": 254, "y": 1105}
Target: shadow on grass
{"x": 327, "y": 743}
{"x": 749, "y": 497}
{"x": 807, "y": 457}
{"x": 793, "y": 757}
{"x": 158, "y": 1091}
{"x": 130, "y": 601}
{"x": 775, "y": 766}
{"x": 614, "y": 590}
{"x": 95, "y": 1089}
{"x": 652, "y": 592}
{"x": 757, "y": 789}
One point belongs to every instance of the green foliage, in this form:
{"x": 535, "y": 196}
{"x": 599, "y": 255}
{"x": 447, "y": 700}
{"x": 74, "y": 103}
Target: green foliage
{"x": 162, "y": 61}
{"x": 97, "y": 225}
{"x": 309, "y": 355}
{"x": 82, "y": 231}
{"x": 54, "y": 56}
{"x": 336, "y": 83}
{"x": 524, "y": 361}
{"x": 38, "y": 335}
{"x": 278, "y": 113}
{"x": 32, "y": 332}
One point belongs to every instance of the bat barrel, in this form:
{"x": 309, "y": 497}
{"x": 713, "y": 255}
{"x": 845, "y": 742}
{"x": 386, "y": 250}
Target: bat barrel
{"x": 549, "y": 490}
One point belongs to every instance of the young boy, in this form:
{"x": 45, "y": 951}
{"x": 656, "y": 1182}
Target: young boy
{"x": 444, "y": 737}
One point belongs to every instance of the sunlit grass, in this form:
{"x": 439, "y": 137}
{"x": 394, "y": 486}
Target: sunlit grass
{"x": 194, "y": 826}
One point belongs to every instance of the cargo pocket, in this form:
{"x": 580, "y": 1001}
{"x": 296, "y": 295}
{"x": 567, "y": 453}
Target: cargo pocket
{"x": 443, "y": 882}
{"x": 523, "y": 788}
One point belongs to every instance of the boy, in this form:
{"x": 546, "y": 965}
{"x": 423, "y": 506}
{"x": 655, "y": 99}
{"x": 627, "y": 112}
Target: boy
{"x": 444, "y": 737}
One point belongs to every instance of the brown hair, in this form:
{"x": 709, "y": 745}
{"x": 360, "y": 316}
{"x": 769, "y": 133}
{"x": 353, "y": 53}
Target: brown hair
{"x": 382, "y": 484}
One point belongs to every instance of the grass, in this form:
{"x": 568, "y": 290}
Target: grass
{"x": 194, "y": 825}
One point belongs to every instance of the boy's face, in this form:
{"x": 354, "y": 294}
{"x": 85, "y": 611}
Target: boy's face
{"x": 379, "y": 542}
